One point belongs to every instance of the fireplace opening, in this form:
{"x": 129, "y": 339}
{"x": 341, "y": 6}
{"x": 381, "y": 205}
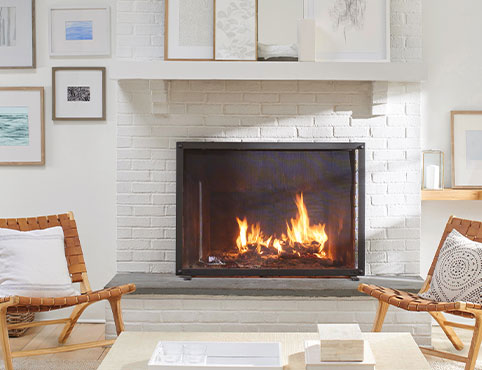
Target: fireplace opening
{"x": 270, "y": 209}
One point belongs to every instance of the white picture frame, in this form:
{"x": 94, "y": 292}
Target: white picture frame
{"x": 22, "y": 137}
{"x": 17, "y": 34}
{"x": 466, "y": 149}
{"x": 189, "y": 27}
{"x": 236, "y": 30}
{"x": 79, "y": 31}
{"x": 363, "y": 36}
{"x": 78, "y": 94}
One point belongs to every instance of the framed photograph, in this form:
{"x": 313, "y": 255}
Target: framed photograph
{"x": 236, "y": 34}
{"x": 351, "y": 30}
{"x": 22, "y": 140}
{"x": 188, "y": 33}
{"x": 17, "y": 33}
{"x": 78, "y": 93}
{"x": 79, "y": 31}
{"x": 466, "y": 149}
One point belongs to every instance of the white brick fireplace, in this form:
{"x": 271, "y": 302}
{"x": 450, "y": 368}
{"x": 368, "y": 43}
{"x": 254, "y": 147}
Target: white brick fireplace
{"x": 154, "y": 114}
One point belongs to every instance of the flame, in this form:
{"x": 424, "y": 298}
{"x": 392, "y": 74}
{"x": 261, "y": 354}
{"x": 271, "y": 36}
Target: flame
{"x": 300, "y": 238}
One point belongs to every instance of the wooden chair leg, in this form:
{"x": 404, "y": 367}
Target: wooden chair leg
{"x": 117, "y": 312}
{"x": 449, "y": 332}
{"x": 380, "y": 317}
{"x": 74, "y": 317}
{"x": 4, "y": 341}
{"x": 475, "y": 344}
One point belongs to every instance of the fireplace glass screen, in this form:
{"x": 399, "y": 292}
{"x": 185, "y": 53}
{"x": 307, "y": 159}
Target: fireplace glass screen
{"x": 269, "y": 209}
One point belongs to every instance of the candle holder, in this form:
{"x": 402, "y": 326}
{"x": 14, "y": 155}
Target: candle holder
{"x": 432, "y": 170}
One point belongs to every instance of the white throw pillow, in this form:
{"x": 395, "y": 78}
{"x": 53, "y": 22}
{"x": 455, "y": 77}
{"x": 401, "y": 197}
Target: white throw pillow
{"x": 33, "y": 264}
{"x": 458, "y": 272}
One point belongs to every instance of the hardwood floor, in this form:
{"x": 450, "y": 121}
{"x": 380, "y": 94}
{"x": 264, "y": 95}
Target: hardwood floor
{"x": 47, "y": 337}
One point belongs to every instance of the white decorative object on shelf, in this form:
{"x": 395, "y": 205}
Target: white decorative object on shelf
{"x": 306, "y": 40}
{"x": 188, "y": 355}
{"x": 432, "y": 170}
{"x": 341, "y": 342}
{"x": 432, "y": 180}
{"x": 313, "y": 354}
{"x": 235, "y": 30}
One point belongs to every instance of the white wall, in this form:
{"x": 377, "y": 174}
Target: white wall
{"x": 79, "y": 174}
{"x": 453, "y": 53}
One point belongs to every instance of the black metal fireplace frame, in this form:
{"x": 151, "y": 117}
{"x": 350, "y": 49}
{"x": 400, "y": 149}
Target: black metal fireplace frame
{"x": 333, "y": 146}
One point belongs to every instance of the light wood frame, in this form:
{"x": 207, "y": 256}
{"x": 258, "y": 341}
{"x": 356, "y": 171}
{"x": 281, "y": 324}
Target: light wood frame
{"x": 461, "y": 308}
{"x": 69, "y": 322}
{"x": 42, "y": 126}
{"x": 54, "y": 92}
{"x": 452, "y": 135}
{"x": 255, "y": 36}
{"x": 34, "y": 48}
{"x": 166, "y": 36}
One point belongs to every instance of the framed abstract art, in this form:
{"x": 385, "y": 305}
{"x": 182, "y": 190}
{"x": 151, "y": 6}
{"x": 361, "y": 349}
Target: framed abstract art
{"x": 351, "y": 30}
{"x": 78, "y": 93}
{"x": 79, "y": 31}
{"x": 17, "y": 34}
{"x": 188, "y": 33}
{"x": 466, "y": 149}
{"x": 22, "y": 126}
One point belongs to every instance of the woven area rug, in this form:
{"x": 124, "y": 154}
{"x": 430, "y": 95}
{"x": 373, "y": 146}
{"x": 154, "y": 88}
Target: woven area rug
{"x": 450, "y": 365}
{"x": 38, "y": 364}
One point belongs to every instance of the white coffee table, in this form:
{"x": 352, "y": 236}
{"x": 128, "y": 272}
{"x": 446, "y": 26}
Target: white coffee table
{"x": 132, "y": 350}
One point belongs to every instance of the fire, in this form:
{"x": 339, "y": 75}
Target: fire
{"x": 301, "y": 238}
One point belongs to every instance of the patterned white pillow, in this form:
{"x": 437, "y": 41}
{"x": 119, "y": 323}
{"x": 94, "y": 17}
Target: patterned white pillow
{"x": 458, "y": 272}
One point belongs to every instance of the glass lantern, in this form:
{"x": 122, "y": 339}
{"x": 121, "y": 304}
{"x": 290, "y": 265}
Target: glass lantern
{"x": 432, "y": 170}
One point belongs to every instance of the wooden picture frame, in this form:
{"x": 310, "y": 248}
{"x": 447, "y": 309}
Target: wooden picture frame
{"x": 33, "y": 109}
{"x": 472, "y": 122}
{"x": 32, "y": 62}
{"x": 221, "y": 59}
{"x": 79, "y": 95}
{"x": 187, "y": 53}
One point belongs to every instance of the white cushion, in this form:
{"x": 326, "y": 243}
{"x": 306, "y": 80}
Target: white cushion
{"x": 33, "y": 264}
{"x": 458, "y": 272}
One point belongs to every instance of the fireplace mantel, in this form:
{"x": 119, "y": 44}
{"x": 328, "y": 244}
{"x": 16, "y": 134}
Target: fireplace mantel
{"x": 212, "y": 70}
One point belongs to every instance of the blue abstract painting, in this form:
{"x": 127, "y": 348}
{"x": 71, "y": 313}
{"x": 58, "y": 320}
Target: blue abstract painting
{"x": 14, "y": 126}
{"x": 78, "y": 30}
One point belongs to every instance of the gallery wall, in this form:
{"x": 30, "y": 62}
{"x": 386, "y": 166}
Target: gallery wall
{"x": 79, "y": 171}
{"x": 452, "y": 51}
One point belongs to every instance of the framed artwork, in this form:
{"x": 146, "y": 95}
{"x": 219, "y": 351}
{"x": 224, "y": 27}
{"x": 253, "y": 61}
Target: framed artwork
{"x": 22, "y": 140}
{"x": 79, "y": 31}
{"x": 17, "y": 33}
{"x": 78, "y": 93}
{"x": 235, "y": 34}
{"x": 188, "y": 33}
{"x": 351, "y": 30}
{"x": 466, "y": 149}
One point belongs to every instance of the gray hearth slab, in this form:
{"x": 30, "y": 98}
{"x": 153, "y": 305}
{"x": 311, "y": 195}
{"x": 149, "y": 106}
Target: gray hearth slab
{"x": 170, "y": 284}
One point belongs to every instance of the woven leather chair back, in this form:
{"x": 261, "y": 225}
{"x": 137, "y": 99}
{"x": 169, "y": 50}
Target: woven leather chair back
{"x": 73, "y": 250}
{"x": 471, "y": 229}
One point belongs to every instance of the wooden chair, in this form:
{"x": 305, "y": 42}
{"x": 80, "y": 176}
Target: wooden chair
{"x": 78, "y": 274}
{"x": 412, "y": 302}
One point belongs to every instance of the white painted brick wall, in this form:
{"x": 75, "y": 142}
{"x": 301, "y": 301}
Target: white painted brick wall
{"x": 260, "y": 314}
{"x": 140, "y": 30}
{"x": 254, "y": 111}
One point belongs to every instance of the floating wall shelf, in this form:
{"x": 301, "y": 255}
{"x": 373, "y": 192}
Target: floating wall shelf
{"x": 452, "y": 194}
{"x": 337, "y": 71}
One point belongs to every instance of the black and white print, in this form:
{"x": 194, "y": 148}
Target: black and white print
{"x": 458, "y": 271}
{"x": 78, "y": 93}
{"x": 348, "y": 14}
{"x": 8, "y": 26}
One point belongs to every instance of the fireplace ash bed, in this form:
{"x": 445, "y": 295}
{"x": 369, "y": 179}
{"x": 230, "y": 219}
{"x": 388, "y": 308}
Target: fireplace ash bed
{"x": 270, "y": 209}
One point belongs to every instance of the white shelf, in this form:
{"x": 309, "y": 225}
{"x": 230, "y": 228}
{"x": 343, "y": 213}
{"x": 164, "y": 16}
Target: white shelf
{"x": 339, "y": 71}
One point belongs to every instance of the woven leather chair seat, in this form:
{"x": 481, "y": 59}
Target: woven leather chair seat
{"x": 28, "y": 304}
{"x": 412, "y": 302}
